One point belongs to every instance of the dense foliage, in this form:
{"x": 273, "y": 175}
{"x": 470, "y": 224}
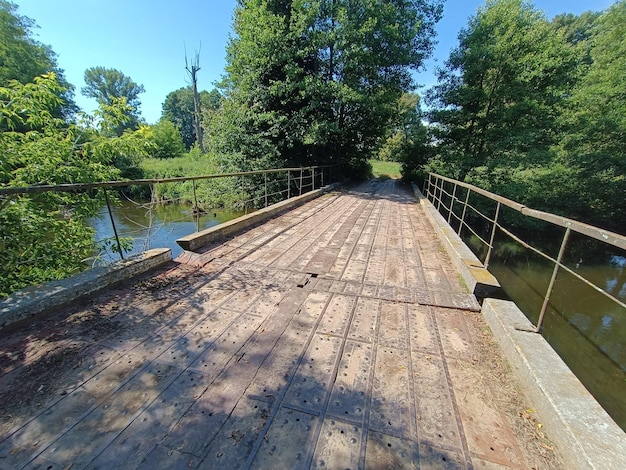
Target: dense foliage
{"x": 535, "y": 110}
{"x": 316, "y": 82}
{"x": 22, "y": 58}
{"x": 178, "y": 108}
{"x": 110, "y": 87}
{"x": 43, "y": 141}
{"x": 45, "y": 236}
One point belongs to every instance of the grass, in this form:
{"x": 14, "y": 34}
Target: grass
{"x": 189, "y": 165}
{"x": 385, "y": 170}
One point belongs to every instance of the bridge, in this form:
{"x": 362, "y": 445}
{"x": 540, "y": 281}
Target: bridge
{"x": 337, "y": 335}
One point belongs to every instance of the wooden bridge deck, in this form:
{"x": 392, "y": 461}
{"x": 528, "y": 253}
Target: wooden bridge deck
{"x": 335, "y": 336}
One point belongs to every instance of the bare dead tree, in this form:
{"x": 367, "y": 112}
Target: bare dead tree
{"x": 192, "y": 69}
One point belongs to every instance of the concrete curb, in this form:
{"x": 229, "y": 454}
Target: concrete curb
{"x": 32, "y": 301}
{"x": 197, "y": 240}
{"x": 583, "y": 431}
{"x": 478, "y": 280}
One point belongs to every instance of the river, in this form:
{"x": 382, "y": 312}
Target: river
{"x": 583, "y": 326}
{"x": 158, "y": 227}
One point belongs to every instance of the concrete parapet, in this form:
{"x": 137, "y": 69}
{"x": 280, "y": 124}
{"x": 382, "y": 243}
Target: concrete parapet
{"x": 586, "y": 435}
{"x": 197, "y": 240}
{"x": 33, "y": 300}
{"x": 478, "y": 280}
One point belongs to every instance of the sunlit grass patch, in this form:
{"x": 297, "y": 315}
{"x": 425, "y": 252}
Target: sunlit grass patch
{"x": 385, "y": 170}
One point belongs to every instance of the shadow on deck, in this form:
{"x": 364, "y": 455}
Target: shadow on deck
{"x": 337, "y": 335}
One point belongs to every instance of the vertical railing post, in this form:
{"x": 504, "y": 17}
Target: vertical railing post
{"x": 427, "y": 188}
{"x": 467, "y": 195}
{"x": 555, "y": 272}
{"x": 243, "y": 197}
{"x": 196, "y": 209}
{"x": 312, "y": 178}
{"x": 150, "y": 216}
{"x": 265, "y": 174}
{"x": 301, "y": 169}
{"x": 433, "y": 191}
{"x": 322, "y": 178}
{"x": 288, "y": 184}
{"x": 117, "y": 238}
{"x": 195, "y": 198}
{"x": 452, "y": 203}
{"x": 440, "y": 195}
{"x": 493, "y": 235}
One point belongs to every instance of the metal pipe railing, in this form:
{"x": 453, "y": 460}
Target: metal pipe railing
{"x": 434, "y": 191}
{"x": 272, "y": 189}
{"x": 117, "y": 184}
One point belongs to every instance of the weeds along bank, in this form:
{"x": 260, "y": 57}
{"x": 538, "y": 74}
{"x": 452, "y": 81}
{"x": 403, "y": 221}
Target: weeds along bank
{"x": 213, "y": 193}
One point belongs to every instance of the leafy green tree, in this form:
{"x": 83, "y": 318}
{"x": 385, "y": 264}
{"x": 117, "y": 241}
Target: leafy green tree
{"x": 316, "y": 82}
{"x": 167, "y": 140}
{"x": 22, "y": 58}
{"x": 591, "y": 163}
{"x": 46, "y": 236}
{"x": 495, "y": 105}
{"x": 405, "y": 132}
{"x": 407, "y": 140}
{"x": 43, "y": 236}
{"x": 108, "y": 87}
{"x": 178, "y": 108}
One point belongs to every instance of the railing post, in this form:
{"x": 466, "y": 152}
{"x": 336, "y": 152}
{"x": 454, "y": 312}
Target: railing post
{"x": 117, "y": 238}
{"x": 467, "y": 195}
{"x": 493, "y": 235}
{"x": 555, "y": 272}
{"x": 312, "y": 178}
{"x": 196, "y": 209}
{"x": 288, "y": 184}
{"x": 151, "y": 214}
{"x": 301, "y": 169}
{"x": 265, "y": 174}
{"x": 440, "y": 195}
{"x": 427, "y": 188}
{"x": 195, "y": 198}
{"x": 322, "y": 177}
{"x": 452, "y": 203}
{"x": 243, "y": 202}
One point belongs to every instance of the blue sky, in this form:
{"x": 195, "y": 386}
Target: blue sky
{"x": 145, "y": 39}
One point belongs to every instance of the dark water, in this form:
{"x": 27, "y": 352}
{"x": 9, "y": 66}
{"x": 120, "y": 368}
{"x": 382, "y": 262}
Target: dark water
{"x": 584, "y": 327}
{"x": 158, "y": 227}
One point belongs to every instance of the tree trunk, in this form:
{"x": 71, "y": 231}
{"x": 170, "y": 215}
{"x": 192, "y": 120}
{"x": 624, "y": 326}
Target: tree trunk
{"x": 192, "y": 70}
{"x": 196, "y": 109}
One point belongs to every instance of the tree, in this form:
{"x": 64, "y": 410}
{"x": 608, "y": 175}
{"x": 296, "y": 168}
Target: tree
{"x": 316, "y": 82}
{"x": 178, "y": 108}
{"x": 108, "y": 86}
{"x": 22, "y": 58}
{"x": 192, "y": 70}
{"x": 405, "y": 131}
{"x": 497, "y": 99}
{"x": 167, "y": 140}
{"x": 43, "y": 236}
{"x": 47, "y": 236}
{"x": 591, "y": 161}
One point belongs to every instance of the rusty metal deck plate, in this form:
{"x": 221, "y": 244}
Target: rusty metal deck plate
{"x": 333, "y": 336}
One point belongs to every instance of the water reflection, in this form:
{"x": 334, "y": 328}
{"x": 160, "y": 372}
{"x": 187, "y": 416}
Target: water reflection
{"x": 153, "y": 226}
{"x": 586, "y": 328}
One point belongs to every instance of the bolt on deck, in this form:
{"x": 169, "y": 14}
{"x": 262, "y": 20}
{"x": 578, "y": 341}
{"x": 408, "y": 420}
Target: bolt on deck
{"x": 334, "y": 336}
